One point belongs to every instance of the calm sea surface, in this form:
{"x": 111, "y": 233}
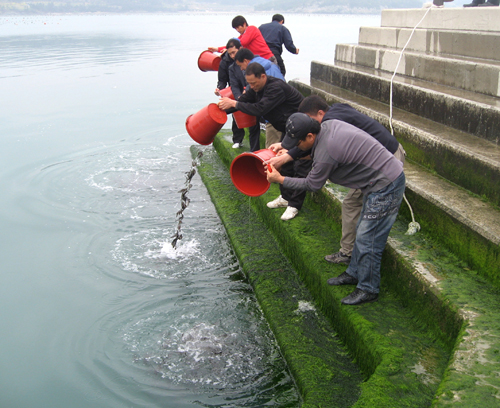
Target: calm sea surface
{"x": 96, "y": 308}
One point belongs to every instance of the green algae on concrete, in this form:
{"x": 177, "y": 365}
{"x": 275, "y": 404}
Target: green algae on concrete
{"x": 324, "y": 372}
{"x": 481, "y": 255}
{"x": 458, "y": 304}
{"x": 402, "y": 358}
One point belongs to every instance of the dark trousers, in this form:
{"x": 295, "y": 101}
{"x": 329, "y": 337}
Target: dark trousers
{"x": 238, "y": 134}
{"x": 300, "y": 169}
{"x": 280, "y": 62}
{"x": 254, "y": 136}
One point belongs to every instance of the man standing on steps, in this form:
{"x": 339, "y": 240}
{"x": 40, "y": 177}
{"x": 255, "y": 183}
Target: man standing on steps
{"x": 316, "y": 107}
{"x": 277, "y": 35}
{"x": 275, "y": 101}
{"x": 348, "y": 156}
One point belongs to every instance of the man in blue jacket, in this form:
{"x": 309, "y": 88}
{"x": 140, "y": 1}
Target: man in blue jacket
{"x": 277, "y": 35}
{"x": 244, "y": 57}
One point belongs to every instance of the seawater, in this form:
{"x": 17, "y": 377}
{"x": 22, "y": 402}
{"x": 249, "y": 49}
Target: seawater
{"x": 96, "y": 307}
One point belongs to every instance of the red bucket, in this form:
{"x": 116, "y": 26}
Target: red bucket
{"x": 244, "y": 120}
{"x": 204, "y": 124}
{"x": 247, "y": 172}
{"x": 226, "y": 93}
{"x": 207, "y": 61}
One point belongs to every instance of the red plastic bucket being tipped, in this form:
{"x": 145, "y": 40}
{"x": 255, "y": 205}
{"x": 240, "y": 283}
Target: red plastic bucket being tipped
{"x": 226, "y": 93}
{"x": 207, "y": 61}
{"x": 247, "y": 172}
{"x": 203, "y": 125}
{"x": 244, "y": 120}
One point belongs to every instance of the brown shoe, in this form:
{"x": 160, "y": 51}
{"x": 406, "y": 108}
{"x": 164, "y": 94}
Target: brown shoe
{"x": 338, "y": 258}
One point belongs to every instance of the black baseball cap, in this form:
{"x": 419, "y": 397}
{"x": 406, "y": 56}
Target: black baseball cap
{"x": 298, "y": 126}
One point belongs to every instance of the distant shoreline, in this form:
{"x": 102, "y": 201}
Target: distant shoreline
{"x": 29, "y": 12}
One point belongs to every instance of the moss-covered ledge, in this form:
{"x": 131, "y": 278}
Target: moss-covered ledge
{"x": 324, "y": 373}
{"x": 433, "y": 337}
{"x": 383, "y": 337}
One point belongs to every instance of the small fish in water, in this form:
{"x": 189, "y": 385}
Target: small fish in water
{"x": 184, "y": 199}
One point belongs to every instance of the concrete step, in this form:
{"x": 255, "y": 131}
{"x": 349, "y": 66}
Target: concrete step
{"x": 468, "y": 19}
{"x": 457, "y": 156}
{"x": 469, "y": 112}
{"x": 432, "y": 308}
{"x": 471, "y": 378}
{"x": 470, "y": 44}
{"x": 474, "y": 75}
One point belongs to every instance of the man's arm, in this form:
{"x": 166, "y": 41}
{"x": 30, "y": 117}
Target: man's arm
{"x": 314, "y": 181}
{"x": 287, "y": 40}
{"x": 248, "y": 36}
{"x": 222, "y": 75}
{"x": 273, "y": 96}
{"x": 235, "y": 82}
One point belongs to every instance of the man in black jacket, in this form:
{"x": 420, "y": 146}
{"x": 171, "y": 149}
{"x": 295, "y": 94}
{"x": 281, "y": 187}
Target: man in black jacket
{"x": 275, "y": 101}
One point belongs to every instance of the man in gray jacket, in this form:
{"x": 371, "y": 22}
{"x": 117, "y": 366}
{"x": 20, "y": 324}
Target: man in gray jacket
{"x": 348, "y": 156}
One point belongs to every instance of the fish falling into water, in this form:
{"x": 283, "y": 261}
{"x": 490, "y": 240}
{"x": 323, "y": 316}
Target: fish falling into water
{"x": 184, "y": 200}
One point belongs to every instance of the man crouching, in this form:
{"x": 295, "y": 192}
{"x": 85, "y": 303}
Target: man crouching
{"x": 348, "y": 156}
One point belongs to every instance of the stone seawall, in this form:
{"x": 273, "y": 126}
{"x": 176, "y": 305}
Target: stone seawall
{"x": 432, "y": 339}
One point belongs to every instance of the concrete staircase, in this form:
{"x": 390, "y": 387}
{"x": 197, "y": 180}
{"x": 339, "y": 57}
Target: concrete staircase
{"x": 447, "y": 116}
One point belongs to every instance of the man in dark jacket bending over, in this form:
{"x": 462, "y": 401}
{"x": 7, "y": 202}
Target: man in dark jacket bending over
{"x": 348, "y": 156}
{"x": 275, "y": 101}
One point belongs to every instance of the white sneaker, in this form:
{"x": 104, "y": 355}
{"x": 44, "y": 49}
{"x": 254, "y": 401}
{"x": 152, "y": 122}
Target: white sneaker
{"x": 289, "y": 213}
{"x": 277, "y": 203}
{"x": 236, "y": 145}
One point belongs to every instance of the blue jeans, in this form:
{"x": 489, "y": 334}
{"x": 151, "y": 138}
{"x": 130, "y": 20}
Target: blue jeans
{"x": 380, "y": 209}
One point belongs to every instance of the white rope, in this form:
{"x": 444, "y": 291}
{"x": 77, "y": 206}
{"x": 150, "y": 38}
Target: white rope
{"x": 397, "y": 66}
{"x": 413, "y": 226}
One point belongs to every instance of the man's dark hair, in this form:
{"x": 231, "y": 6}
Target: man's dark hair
{"x": 243, "y": 54}
{"x": 313, "y": 104}
{"x": 239, "y": 21}
{"x": 233, "y": 42}
{"x": 255, "y": 69}
{"x": 315, "y": 127}
{"x": 278, "y": 18}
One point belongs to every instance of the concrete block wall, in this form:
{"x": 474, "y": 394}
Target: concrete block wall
{"x": 454, "y": 47}
{"x": 446, "y": 114}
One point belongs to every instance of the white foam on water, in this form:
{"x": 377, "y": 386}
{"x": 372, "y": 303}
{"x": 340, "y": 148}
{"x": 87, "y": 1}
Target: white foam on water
{"x": 173, "y": 139}
{"x": 184, "y": 249}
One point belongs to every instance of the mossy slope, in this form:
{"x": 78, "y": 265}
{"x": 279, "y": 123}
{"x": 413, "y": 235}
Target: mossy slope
{"x": 387, "y": 339}
{"x": 320, "y": 364}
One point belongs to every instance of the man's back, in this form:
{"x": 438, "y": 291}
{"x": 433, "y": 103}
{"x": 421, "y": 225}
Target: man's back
{"x": 275, "y": 102}
{"x": 276, "y": 35}
{"x": 346, "y": 113}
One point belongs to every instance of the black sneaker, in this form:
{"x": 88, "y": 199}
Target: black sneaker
{"x": 359, "y": 297}
{"x": 343, "y": 279}
{"x": 338, "y": 258}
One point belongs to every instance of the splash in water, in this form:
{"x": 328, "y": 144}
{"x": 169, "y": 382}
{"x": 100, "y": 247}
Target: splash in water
{"x": 185, "y": 200}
